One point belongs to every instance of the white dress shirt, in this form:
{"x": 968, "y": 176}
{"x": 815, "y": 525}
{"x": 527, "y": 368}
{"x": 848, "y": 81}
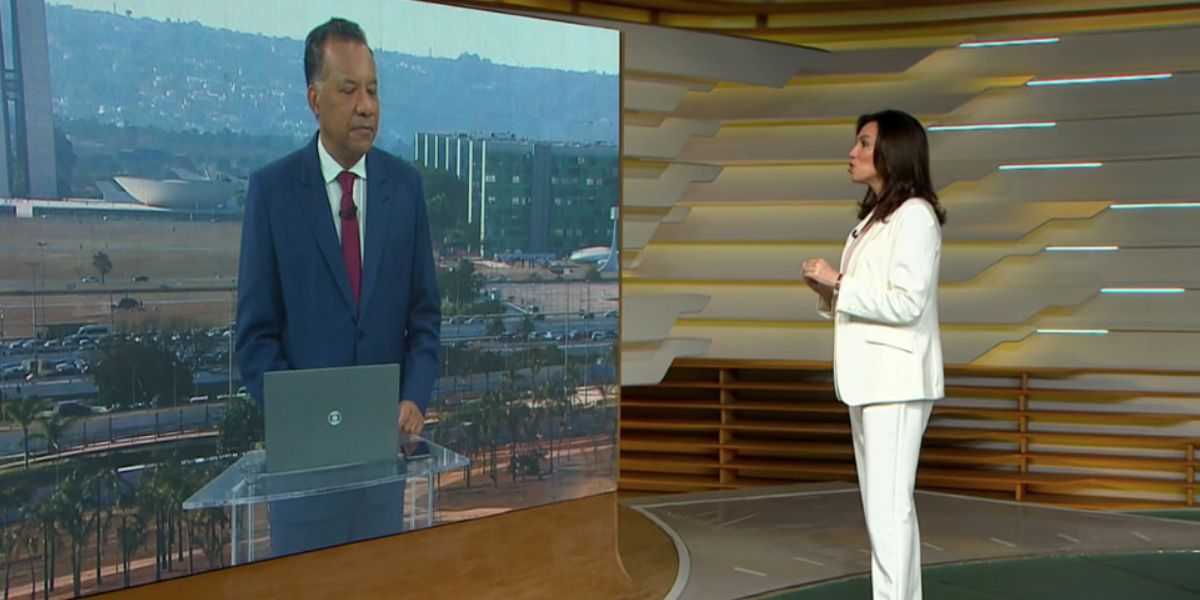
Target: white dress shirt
{"x": 330, "y": 169}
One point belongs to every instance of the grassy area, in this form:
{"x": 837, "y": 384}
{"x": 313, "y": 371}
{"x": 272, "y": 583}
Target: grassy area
{"x": 172, "y": 254}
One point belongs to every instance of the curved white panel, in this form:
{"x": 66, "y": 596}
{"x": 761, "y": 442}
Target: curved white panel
{"x": 1127, "y": 181}
{"x": 774, "y": 183}
{"x": 1120, "y": 311}
{"x": 844, "y": 100}
{"x": 637, "y": 229}
{"x": 668, "y": 187}
{"x": 1091, "y": 139}
{"x": 1077, "y": 307}
{"x": 1117, "y": 350}
{"x": 1126, "y": 139}
{"x": 1073, "y": 56}
{"x": 782, "y": 262}
{"x": 667, "y": 139}
{"x": 719, "y": 57}
{"x": 652, "y": 96}
{"x": 802, "y": 221}
{"x": 771, "y": 342}
{"x": 1080, "y": 101}
{"x": 646, "y": 363}
{"x": 772, "y": 143}
{"x": 648, "y": 318}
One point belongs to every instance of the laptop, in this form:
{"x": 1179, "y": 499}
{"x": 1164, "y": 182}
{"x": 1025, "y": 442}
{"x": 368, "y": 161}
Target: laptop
{"x": 329, "y": 417}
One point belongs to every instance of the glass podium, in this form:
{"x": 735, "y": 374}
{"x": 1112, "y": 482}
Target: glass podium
{"x": 245, "y": 488}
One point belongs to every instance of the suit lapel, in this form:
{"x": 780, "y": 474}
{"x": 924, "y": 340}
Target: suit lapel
{"x": 314, "y": 203}
{"x": 380, "y": 216}
{"x": 844, "y": 265}
{"x": 868, "y": 238}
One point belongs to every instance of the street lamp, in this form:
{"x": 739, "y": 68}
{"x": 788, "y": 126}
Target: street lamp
{"x": 232, "y": 329}
{"x": 42, "y": 296}
{"x": 33, "y": 296}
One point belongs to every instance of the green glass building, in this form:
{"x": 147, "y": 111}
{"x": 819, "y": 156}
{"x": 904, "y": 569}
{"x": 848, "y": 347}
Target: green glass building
{"x": 536, "y": 200}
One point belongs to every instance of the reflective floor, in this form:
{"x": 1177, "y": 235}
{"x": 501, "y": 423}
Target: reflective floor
{"x": 1152, "y": 576}
{"x": 741, "y": 543}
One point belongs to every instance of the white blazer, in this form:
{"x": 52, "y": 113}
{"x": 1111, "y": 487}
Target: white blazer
{"x": 887, "y": 345}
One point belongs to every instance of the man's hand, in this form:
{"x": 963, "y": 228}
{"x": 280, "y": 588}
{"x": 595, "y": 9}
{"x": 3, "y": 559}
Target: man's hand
{"x": 411, "y": 419}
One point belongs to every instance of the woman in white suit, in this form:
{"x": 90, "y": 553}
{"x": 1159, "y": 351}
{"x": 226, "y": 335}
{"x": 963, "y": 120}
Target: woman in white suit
{"x": 887, "y": 359}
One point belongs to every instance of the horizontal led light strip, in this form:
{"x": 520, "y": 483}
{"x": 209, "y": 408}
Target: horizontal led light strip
{"x": 1105, "y": 79}
{"x": 1073, "y": 331}
{"x": 1149, "y": 205}
{"x": 1142, "y": 290}
{"x": 1020, "y": 42}
{"x": 1051, "y": 166}
{"x": 991, "y": 126}
{"x": 1082, "y": 248}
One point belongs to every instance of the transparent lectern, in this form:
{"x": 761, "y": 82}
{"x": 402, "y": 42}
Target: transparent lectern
{"x": 245, "y": 488}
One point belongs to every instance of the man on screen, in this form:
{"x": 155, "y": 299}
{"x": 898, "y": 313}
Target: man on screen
{"x": 337, "y": 270}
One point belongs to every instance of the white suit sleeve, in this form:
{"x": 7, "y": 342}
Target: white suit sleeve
{"x": 911, "y": 277}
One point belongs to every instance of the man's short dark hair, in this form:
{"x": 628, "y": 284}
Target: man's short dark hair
{"x": 314, "y": 44}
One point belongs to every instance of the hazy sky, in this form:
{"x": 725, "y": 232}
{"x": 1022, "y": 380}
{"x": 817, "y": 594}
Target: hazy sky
{"x": 399, "y": 25}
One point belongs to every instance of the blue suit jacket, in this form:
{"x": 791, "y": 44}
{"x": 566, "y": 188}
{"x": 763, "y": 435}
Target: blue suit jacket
{"x": 295, "y": 308}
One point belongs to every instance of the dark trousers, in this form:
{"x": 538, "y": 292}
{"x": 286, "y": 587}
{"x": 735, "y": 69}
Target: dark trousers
{"x": 315, "y": 522}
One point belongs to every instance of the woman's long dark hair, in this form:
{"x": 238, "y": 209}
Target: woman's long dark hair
{"x": 902, "y": 161}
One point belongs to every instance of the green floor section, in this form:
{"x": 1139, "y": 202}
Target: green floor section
{"x": 1158, "y": 576}
{"x": 1182, "y": 514}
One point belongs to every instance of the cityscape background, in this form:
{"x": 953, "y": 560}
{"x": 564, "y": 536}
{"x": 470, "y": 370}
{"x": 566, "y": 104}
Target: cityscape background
{"x": 127, "y": 143}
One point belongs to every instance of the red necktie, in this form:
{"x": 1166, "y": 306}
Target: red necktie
{"x": 350, "y": 242}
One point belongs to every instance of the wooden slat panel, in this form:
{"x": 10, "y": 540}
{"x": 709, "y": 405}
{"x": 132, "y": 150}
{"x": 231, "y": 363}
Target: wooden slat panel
{"x": 738, "y": 424}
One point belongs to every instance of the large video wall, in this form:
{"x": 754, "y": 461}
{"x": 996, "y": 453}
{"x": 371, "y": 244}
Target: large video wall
{"x": 119, "y": 262}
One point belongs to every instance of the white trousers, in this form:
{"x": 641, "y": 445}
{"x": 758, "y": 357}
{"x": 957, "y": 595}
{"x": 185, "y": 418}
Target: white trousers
{"x": 887, "y": 445}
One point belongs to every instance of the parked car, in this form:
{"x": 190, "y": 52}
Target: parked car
{"x": 66, "y": 368}
{"x": 12, "y": 372}
{"x": 90, "y": 279}
{"x": 141, "y": 278}
{"x": 70, "y": 408}
{"x": 93, "y": 332}
{"x": 127, "y": 303}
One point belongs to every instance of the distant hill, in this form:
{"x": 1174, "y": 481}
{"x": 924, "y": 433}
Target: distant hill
{"x": 176, "y": 76}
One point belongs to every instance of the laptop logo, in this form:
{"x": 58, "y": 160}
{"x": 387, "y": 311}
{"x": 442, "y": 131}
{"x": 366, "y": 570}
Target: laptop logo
{"x": 334, "y": 418}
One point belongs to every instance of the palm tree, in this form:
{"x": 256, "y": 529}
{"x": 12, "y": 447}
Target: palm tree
{"x": 213, "y": 522}
{"x": 11, "y": 531}
{"x": 24, "y": 411}
{"x": 67, "y": 503}
{"x": 103, "y": 486}
{"x": 175, "y": 489}
{"x": 161, "y": 497}
{"x": 516, "y": 411}
{"x": 54, "y": 429}
{"x": 193, "y": 480}
{"x": 490, "y": 416}
{"x": 102, "y": 264}
{"x": 31, "y": 540}
{"x": 42, "y": 513}
{"x": 131, "y": 533}
{"x": 149, "y": 503}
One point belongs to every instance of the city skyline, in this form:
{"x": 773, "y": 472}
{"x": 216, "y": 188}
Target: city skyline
{"x": 403, "y": 26}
